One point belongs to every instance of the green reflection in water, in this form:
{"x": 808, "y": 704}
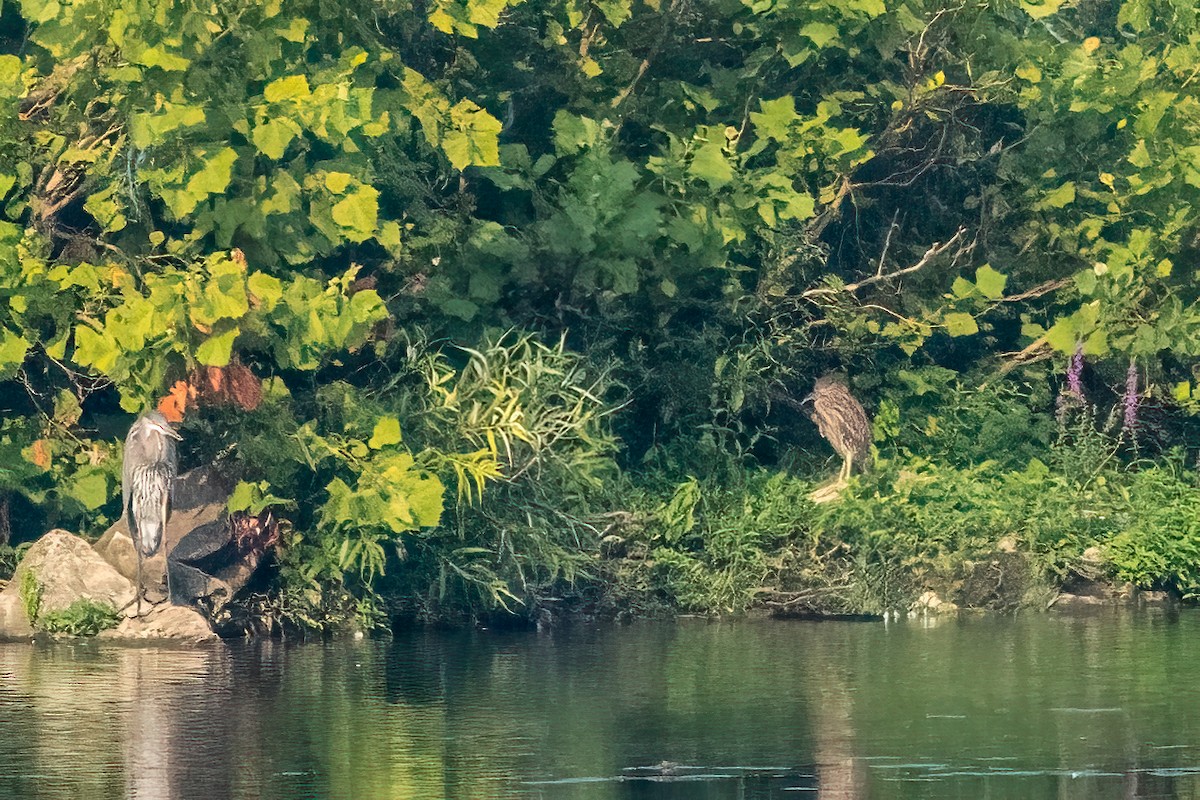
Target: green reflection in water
{"x": 1033, "y": 707}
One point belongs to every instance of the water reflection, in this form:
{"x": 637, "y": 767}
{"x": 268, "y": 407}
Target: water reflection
{"x": 1037, "y": 707}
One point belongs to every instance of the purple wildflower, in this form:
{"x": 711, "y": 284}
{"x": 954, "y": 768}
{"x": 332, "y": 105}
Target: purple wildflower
{"x": 1074, "y": 373}
{"x": 1131, "y": 397}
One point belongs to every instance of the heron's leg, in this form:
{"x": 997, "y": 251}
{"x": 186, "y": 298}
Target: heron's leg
{"x": 138, "y": 588}
{"x": 167, "y": 563}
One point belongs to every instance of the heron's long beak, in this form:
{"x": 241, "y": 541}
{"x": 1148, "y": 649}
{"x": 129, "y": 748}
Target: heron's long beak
{"x": 169, "y": 431}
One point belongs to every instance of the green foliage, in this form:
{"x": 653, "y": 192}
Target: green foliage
{"x": 84, "y": 617}
{"x": 1158, "y": 545}
{"x": 30, "y": 592}
{"x": 708, "y": 206}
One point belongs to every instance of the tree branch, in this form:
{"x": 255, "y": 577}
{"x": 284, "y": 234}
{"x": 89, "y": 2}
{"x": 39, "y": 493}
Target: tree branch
{"x": 935, "y": 250}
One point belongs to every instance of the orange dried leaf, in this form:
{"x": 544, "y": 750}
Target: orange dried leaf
{"x": 39, "y": 454}
{"x": 175, "y": 403}
{"x": 216, "y": 380}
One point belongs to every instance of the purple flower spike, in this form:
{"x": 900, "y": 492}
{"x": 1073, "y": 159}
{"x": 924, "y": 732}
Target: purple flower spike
{"x": 1131, "y": 397}
{"x": 1074, "y": 371}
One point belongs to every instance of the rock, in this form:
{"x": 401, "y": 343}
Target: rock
{"x": 175, "y": 623}
{"x": 14, "y": 622}
{"x": 930, "y": 603}
{"x": 1007, "y": 544}
{"x": 66, "y": 569}
{"x": 209, "y": 565}
{"x": 1069, "y": 600}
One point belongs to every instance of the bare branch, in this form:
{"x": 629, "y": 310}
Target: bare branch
{"x": 935, "y": 250}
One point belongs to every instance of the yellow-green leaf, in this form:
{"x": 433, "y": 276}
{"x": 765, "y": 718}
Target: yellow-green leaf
{"x": 1062, "y": 196}
{"x": 960, "y": 324}
{"x": 273, "y": 136}
{"x": 155, "y": 57}
{"x": 293, "y": 87}
{"x": 990, "y": 282}
{"x": 473, "y": 137}
{"x": 358, "y": 213}
{"x": 13, "y": 348}
{"x": 710, "y": 165}
{"x": 387, "y": 432}
{"x": 337, "y": 182}
{"x": 266, "y": 289}
{"x": 217, "y": 349}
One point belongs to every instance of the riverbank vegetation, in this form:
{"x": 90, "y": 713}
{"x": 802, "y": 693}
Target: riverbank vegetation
{"x": 503, "y": 307}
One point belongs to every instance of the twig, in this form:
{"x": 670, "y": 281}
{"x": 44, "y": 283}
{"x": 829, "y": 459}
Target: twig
{"x": 1038, "y": 291}
{"x": 654, "y": 51}
{"x": 887, "y": 243}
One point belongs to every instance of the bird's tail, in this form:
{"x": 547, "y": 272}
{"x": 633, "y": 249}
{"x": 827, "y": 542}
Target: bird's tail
{"x": 149, "y": 538}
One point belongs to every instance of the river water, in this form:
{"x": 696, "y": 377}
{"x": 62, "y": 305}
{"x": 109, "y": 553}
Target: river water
{"x": 1037, "y": 706}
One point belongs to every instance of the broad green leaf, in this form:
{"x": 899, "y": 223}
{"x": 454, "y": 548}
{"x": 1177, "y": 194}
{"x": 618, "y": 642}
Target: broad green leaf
{"x": 273, "y": 136}
{"x": 387, "y": 432}
{"x": 959, "y": 324}
{"x": 775, "y": 117}
{"x": 1085, "y": 281}
{"x": 710, "y": 165}
{"x": 213, "y": 178}
{"x": 1029, "y": 72}
{"x": 990, "y": 282}
{"x": 13, "y": 348}
{"x": 821, "y": 33}
{"x": 1039, "y": 9}
{"x": 473, "y": 137}
{"x": 216, "y": 350}
{"x": 337, "y": 182}
{"x": 151, "y": 128}
{"x": 1062, "y": 196}
{"x": 572, "y": 133}
{"x": 1140, "y": 156}
{"x": 90, "y": 488}
{"x": 93, "y": 349}
{"x": 615, "y": 11}
{"x": 1063, "y": 335}
{"x": 293, "y": 87}
{"x": 357, "y": 213}
{"x": 10, "y": 76}
{"x": 155, "y": 57}
{"x": 266, "y": 289}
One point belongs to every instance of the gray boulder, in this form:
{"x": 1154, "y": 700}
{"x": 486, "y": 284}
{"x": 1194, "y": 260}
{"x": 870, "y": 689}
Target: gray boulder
{"x": 175, "y": 623}
{"x": 64, "y": 568}
{"x": 208, "y": 564}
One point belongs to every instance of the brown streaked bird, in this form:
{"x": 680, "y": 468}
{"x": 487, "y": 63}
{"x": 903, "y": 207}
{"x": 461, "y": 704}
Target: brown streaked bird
{"x": 841, "y": 420}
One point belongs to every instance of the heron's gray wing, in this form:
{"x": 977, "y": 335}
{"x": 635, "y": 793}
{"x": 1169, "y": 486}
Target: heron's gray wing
{"x": 127, "y": 500}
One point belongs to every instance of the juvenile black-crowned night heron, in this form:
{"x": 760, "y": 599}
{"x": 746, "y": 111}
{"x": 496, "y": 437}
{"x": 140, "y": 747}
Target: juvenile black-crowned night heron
{"x": 841, "y": 421}
{"x": 146, "y": 476}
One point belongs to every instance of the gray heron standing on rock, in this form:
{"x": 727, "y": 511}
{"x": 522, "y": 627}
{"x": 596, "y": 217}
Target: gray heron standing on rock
{"x": 146, "y": 477}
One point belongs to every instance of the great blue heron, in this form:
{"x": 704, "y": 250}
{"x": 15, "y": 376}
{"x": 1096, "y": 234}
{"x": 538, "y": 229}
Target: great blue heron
{"x": 841, "y": 421}
{"x": 146, "y": 476}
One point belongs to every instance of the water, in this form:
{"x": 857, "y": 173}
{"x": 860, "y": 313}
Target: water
{"x": 1101, "y": 706}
